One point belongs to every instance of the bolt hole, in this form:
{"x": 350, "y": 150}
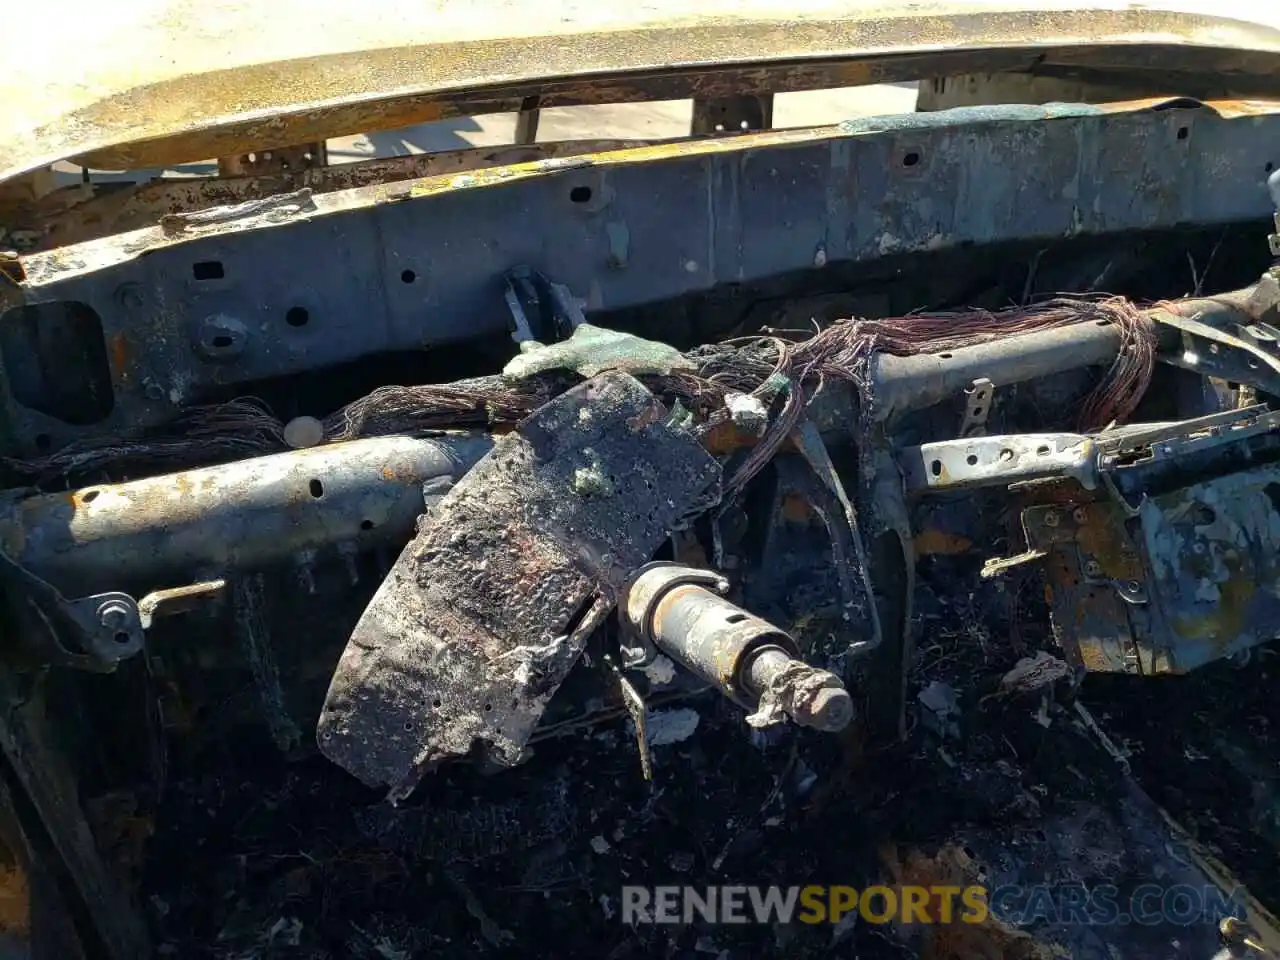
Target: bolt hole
{"x": 408, "y": 726}
{"x": 366, "y": 524}
{"x": 910, "y": 159}
{"x": 735, "y": 618}
{"x": 936, "y": 468}
{"x": 436, "y": 703}
{"x": 222, "y": 340}
{"x": 90, "y": 496}
{"x": 43, "y": 441}
{"x": 971, "y": 459}
{"x": 407, "y": 276}
{"x": 580, "y": 194}
{"x": 297, "y": 316}
{"x": 1183, "y": 133}
{"x": 978, "y": 411}
{"x": 1042, "y": 451}
{"x": 944, "y": 356}
{"x": 121, "y": 637}
{"x": 208, "y": 270}
{"x": 488, "y": 708}
{"x": 317, "y": 489}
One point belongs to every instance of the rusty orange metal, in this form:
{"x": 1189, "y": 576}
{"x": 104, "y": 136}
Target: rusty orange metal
{"x": 157, "y": 83}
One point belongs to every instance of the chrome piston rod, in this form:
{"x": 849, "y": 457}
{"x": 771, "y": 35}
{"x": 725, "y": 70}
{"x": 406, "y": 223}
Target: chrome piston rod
{"x": 250, "y": 513}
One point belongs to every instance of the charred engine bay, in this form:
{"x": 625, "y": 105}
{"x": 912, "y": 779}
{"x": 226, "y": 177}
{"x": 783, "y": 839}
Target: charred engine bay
{"x": 980, "y": 750}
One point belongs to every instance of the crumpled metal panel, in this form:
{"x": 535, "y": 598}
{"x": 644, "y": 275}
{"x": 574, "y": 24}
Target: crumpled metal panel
{"x": 489, "y": 607}
{"x": 1195, "y": 577}
{"x": 1096, "y": 587}
{"x": 1214, "y": 553}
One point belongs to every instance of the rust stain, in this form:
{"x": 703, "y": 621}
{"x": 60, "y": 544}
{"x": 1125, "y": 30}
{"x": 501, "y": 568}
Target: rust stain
{"x": 15, "y": 901}
{"x": 950, "y": 866}
{"x": 119, "y": 348}
{"x": 797, "y": 509}
{"x": 940, "y": 542}
{"x": 400, "y": 472}
{"x": 1229, "y": 620}
{"x": 1102, "y": 537}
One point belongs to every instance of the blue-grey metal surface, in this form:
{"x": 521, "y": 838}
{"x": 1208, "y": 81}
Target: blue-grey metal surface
{"x": 372, "y": 270}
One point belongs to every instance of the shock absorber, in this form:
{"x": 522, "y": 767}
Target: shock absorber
{"x": 679, "y": 610}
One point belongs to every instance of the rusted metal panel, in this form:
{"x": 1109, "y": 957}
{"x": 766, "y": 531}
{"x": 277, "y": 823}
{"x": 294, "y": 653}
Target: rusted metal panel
{"x": 80, "y": 213}
{"x": 490, "y": 606}
{"x": 1094, "y": 576}
{"x": 1173, "y": 564}
{"x": 188, "y": 81}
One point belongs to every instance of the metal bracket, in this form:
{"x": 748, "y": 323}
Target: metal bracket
{"x": 977, "y": 405}
{"x": 542, "y": 310}
{"x": 165, "y": 603}
{"x": 106, "y": 627}
{"x": 732, "y": 114}
{"x": 1247, "y": 355}
{"x": 999, "y": 461}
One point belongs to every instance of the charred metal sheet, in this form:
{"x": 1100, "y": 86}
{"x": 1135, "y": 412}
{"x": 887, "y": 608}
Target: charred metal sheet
{"x": 489, "y": 607}
{"x": 87, "y": 211}
{"x": 1214, "y": 555}
{"x": 1165, "y": 575}
{"x": 241, "y": 514}
{"x": 997, "y": 176}
{"x": 1096, "y": 587}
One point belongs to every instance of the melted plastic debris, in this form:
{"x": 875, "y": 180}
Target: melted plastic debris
{"x": 1031, "y": 673}
{"x": 941, "y": 709}
{"x": 592, "y": 350}
{"x": 665, "y": 727}
{"x": 661, "y": 671}
{"x": 747, "y": 412}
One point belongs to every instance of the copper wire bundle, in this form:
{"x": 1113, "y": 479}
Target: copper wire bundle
{"x": 843, "y": 351}
{"x": 783, "y": 369}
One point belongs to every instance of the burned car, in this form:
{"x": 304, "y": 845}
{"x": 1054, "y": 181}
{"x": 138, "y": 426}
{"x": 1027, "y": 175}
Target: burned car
{"x": 560, "y": 548}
